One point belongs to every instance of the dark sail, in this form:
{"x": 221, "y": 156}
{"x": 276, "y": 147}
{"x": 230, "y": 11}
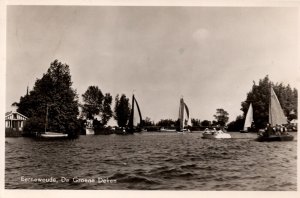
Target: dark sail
{"x": 135, "y": 116}
{"x": 184, "y": 115}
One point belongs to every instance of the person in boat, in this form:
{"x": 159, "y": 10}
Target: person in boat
{"x": 214, "y": 131}
{"x": 283, "y": 130}
{"x": 252, "y": 127}
{"x": 277, "y": 129}
{"x": 269, "y": 130}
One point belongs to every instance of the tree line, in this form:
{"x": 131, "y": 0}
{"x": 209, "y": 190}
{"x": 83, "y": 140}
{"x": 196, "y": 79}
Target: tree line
{"x": 54, "y": 92}
{"x": 53, "y": 99}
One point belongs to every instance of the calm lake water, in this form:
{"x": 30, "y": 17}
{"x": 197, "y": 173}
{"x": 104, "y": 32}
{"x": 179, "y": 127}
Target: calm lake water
{"x": 149, "y": 161}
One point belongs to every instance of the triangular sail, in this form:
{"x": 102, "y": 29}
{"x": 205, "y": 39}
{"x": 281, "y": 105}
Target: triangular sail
{"x": 249, "y": 118}
{"x": 135, "y": 116}
{"x": 184, "y": 115}
{"x": 276, "y": 114}
{"x": 181, "y": 114}
{"x": 187, "y": 112}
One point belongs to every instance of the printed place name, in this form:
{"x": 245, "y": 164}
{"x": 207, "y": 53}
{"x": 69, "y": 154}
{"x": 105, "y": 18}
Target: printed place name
{"x": 100, "y": 180}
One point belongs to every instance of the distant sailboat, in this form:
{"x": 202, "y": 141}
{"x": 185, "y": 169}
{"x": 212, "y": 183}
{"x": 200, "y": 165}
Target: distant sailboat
{"x": 51, "y": 135}
{"x": 276, "y": 118}
{"x": 184, "y": 116}
{"x": 135, "y": 119}
{"x": 248, "y": 120}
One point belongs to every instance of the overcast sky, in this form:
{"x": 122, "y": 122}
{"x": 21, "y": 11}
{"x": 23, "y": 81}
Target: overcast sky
{"x": 210, "y": 56}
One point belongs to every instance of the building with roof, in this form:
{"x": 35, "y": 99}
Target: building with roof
{"x": 14, "y": 121}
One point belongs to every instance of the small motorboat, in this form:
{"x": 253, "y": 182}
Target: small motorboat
{"x": 215, "y": 134}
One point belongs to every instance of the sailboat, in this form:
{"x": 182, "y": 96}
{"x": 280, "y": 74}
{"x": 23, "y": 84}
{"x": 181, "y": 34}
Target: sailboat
{"x": 51, "y": 135}
{"x": 276, "y": 118}
{"x": 135, "y": 119}
{"x": 248, "y": 120}
{"x": 184, "y": 117}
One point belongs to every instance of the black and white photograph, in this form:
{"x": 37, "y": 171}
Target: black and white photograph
{"x": 151, "y": 97}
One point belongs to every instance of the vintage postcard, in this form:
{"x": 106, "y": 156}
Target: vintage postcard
{"x": 128, "y": 97}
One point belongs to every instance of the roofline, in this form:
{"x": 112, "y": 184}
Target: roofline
{"x": 17, "y": 113}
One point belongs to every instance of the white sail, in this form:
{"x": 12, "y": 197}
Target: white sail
{"x": 276, "y": 114}
{"x": 249, "y": 118}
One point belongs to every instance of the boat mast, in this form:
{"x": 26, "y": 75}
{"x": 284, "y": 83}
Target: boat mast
{"x": 270, "y": 106}
{"x": 132, "y": 113}
{"x": 46, "y": 121}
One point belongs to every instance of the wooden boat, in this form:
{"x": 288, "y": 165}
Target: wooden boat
{"x": 51, "y": 135}
{"x": 184, "y": 117}
{"x": 272, "y": 138}
{"x": 135, "y": 119}
{"x": 167, "y": 130}
{"x": 276, "y": 118}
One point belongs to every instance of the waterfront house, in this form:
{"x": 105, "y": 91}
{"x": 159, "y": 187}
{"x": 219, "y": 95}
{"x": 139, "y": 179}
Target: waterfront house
{"x": 14, "y": 121}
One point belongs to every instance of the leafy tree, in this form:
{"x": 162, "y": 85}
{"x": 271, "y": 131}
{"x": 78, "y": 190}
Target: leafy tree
{"x": 107, "y": 111}
{"x": 148, "y": 122}
{"x": 195, "y": 122}
{"x": 53, "y": 90}
{"x": 167, "y": 123}
{"x": 221, "y": 117}
{"x": 93, "y": 99}
{"x": 259, "y": 96}
{"x": 236, "y": 125}
{"x": 122, "y": 110}
{"x": 95, "y": 103}
{"x": 205, "y": 123}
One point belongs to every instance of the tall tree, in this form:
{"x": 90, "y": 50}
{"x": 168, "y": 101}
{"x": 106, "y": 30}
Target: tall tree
{"x": 54, "y": 91}
{"x": 221, "y": 117}
{"x": 93, "y": 99}
{"x": 122, "y": 110}
{"x": 107, "y": 111}
{"x": 96, "y": 104}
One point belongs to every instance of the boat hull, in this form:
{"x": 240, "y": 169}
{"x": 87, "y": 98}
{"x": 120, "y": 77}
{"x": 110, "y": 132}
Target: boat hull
{"x": 274, "y": 138}
{"x": 167, "y": 130}
{"x": 53, "y": 135}
{"x": 184, "y": 131}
